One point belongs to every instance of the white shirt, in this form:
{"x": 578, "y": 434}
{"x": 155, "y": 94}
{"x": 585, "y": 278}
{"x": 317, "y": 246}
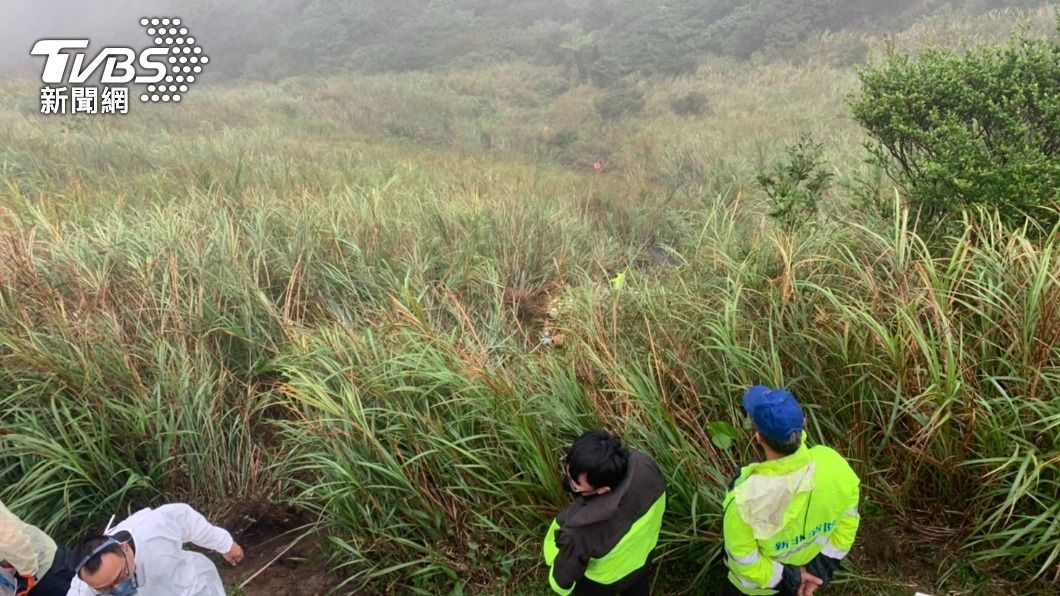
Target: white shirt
{"x": 27, "y": 548}
{"x": 163, "y": 567}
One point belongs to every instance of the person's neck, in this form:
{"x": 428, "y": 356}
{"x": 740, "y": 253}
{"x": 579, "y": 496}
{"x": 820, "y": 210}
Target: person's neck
{"x": 770, "y": 454}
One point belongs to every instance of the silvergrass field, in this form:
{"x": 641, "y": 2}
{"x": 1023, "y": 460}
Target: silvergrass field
{"x": 380, "y": 306}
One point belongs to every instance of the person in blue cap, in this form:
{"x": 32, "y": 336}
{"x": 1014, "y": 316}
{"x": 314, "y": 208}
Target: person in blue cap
{"x": 789, "y": 520}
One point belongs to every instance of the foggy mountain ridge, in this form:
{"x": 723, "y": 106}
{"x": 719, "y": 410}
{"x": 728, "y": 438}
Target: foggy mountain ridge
{"x": 601, "y": 40}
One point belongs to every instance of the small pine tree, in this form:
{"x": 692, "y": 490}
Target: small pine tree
{"x": 797, "y": 184}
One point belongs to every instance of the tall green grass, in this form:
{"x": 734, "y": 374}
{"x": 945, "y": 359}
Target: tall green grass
{"x": 303, "y": 306}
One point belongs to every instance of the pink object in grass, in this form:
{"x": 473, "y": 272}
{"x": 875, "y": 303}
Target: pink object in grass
{"x": 597, "y": 165}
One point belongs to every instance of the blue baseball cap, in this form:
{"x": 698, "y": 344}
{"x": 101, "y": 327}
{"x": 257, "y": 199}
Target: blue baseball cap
{"x": 775, "y": 412}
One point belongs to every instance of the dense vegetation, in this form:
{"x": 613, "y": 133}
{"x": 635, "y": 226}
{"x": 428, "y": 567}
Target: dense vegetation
{"x": 601, "y": 40}
{"x": 387, "y": 302}
{"x": 979, "y": 128}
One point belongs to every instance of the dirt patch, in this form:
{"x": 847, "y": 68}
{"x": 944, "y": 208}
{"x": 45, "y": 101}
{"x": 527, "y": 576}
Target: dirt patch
{"x": 880, "y": 551}
{"x": 283, "y": 556}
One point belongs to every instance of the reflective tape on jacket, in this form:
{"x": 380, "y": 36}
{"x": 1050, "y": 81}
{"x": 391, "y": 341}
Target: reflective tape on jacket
{"x": 794, "y": 508}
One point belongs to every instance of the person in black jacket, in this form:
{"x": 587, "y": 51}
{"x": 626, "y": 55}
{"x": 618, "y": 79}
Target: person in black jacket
{"x": 602, "y": 543}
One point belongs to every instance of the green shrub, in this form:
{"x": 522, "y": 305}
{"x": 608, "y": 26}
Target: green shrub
{"x": 619, "y": 103}
{"x": 562, "y": 139}
{"x": 607, "y": 71}
{"x": 795, "y": 185}
{"x": 693, "y": 103}
{"x": 981, "y": 128}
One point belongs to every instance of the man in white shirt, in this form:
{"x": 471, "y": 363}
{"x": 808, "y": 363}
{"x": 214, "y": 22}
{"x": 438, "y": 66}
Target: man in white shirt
{"x": 144, "y": 555}
{"x": 42, "y": 568}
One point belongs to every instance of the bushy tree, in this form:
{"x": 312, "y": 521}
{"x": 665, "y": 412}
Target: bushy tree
{"x": 436, "y": 36}
{"x": 796, "y": 184}
{"x": 652, "y": 38}
{"x": 777, "y": 24}
{"x": 693, "y": 103}
{"x": 979, "y": 128}
{"x": 329, "y": 32}
{"x": 620, "y": 102}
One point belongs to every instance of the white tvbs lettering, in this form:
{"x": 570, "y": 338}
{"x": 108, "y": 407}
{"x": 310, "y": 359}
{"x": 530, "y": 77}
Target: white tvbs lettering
{"x": 119, "y": 64}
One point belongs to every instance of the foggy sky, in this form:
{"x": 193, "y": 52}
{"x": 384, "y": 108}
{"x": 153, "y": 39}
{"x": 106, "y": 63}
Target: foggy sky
{"x": 233, "y": 32}
{"x": 104, "y": 22}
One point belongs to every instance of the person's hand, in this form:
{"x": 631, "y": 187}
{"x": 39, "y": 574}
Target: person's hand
{"x": 810, "y": 583}
{"x": 26, "y": 583}
{"x": 234, "y": 554}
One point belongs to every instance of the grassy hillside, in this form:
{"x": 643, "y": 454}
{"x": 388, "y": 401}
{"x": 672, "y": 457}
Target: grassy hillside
{"x": 327, "y": 297}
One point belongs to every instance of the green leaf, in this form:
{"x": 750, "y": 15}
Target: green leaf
{"x": 722, "y": 434}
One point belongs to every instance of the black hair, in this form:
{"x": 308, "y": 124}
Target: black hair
{"x": 787, "y": 446}
{"x": 600, "y": 456}
{"x": 86, "y": 546}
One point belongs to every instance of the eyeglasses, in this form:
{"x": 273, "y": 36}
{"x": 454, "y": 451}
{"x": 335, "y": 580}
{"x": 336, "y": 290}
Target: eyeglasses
{"x": 125, "y": 575}
{"x": 563, "y": 467}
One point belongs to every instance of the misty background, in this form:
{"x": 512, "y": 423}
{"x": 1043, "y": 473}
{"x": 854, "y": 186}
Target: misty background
{"x": 599, "y": 41}
{"x": 366, "y": 287}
